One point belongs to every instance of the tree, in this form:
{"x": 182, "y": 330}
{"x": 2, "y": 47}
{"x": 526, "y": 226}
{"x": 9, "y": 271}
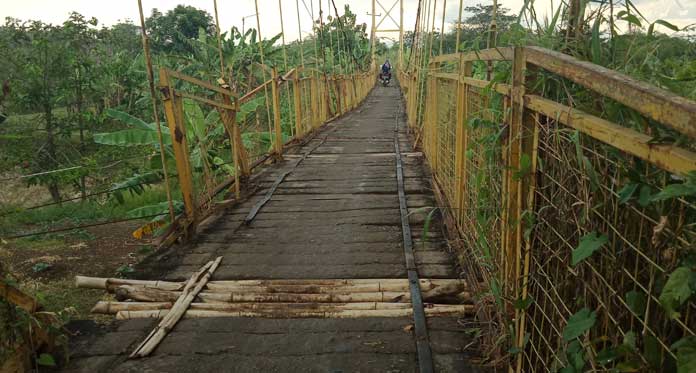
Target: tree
{"x": 480, "y": 18}
{"x": 82, "y": 37}
{"x": 40, "y": 63}
{"x": 344, "y": 30}
{"x": 172, "y": 32}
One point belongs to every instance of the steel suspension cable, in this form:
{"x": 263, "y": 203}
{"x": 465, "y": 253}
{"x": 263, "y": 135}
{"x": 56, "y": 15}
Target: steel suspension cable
{"x": 219, "y": 40}
{"x": 299, "y": 32}
{"x": 423, "y": 64}
{"x": 285, "y": 55}
{"x": 432, "y": 31}
{"x": 232, "y": 132}
{"x": 459, "y": 26}
{"x": 263, "y": 66}
{"x": 442, "y": 28}
{"x": 155, "y": 111}
{"x": 414, "y": 41}
{"x": 282, "y": 36}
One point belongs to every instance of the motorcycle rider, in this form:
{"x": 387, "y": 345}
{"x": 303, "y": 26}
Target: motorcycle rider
{"x": 386, "y": 68}
{"x": 386, "y": 71}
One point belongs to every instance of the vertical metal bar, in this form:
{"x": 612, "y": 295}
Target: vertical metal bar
{"x": 278, "y": 143}
{"x": 529, "y": 144}
{"x": 465, "y": 70}
{"x": 298, "y": 103}
{"x": 460, "y": 148}
{"x": 172, "y": 110}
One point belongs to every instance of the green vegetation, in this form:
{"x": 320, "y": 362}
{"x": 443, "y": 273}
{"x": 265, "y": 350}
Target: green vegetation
{"x": 79, "y": 146}
{"x": 75, "y": 95}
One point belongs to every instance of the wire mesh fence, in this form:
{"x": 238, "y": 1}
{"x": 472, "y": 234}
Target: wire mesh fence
{"x": 578, "y": 225}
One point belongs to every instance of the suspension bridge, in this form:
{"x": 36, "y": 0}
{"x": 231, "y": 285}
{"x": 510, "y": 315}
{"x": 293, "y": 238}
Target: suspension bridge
{"x": 450, "y": 218}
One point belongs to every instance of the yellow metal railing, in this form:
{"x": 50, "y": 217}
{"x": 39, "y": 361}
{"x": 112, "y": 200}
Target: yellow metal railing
{"x": 312, "y": 99}
{"x": 559, "y": 210}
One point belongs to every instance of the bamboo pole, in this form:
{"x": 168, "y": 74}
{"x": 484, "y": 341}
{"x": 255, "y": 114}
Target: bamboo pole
{"x": 178, "y": 309}
{"x": 434, "y": 310}
{"x": 384, "y": 284}
{"x": 105, "y": 307}
{"x": 126, "y": 292}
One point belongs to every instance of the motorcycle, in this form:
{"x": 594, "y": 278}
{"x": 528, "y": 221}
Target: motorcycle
{"x": 385, "y": 78}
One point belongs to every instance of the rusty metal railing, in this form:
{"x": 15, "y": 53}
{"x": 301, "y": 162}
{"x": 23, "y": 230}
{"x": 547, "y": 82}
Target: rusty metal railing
{"x": 574, "y": 221}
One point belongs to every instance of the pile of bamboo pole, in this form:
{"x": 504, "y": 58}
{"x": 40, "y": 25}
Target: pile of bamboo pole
{"x": 316, "y": 298}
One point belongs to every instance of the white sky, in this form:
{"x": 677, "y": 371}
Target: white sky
{"x": 678, "y": 12}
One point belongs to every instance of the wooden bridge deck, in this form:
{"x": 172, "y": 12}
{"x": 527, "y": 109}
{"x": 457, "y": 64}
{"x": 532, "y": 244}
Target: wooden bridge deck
{"x": 335, "y": 216}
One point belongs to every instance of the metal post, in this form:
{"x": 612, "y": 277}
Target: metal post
{"x": 298, "y": 104}
{"x": 173, "y": 110}
{"x": 275, "y": 93}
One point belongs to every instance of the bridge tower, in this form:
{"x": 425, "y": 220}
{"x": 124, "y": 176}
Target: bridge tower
{"x": 377, "y": 27}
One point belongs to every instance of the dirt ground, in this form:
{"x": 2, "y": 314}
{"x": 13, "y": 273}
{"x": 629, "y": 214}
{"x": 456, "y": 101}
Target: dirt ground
{"x": 46, "y": 266}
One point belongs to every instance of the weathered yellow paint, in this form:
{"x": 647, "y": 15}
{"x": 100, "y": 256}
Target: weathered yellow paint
{"x": 173, "y": 112}
{"x": 297, "y": 95}
{"x": 668, "y": 157}
{"x": 649, "y": 100}
{"x": 275, "y": 93}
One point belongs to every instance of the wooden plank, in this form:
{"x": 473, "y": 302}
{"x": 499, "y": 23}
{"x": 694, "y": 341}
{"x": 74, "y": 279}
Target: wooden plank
{"x": 674, "y": 111}
{"x": 668, "y": 157}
